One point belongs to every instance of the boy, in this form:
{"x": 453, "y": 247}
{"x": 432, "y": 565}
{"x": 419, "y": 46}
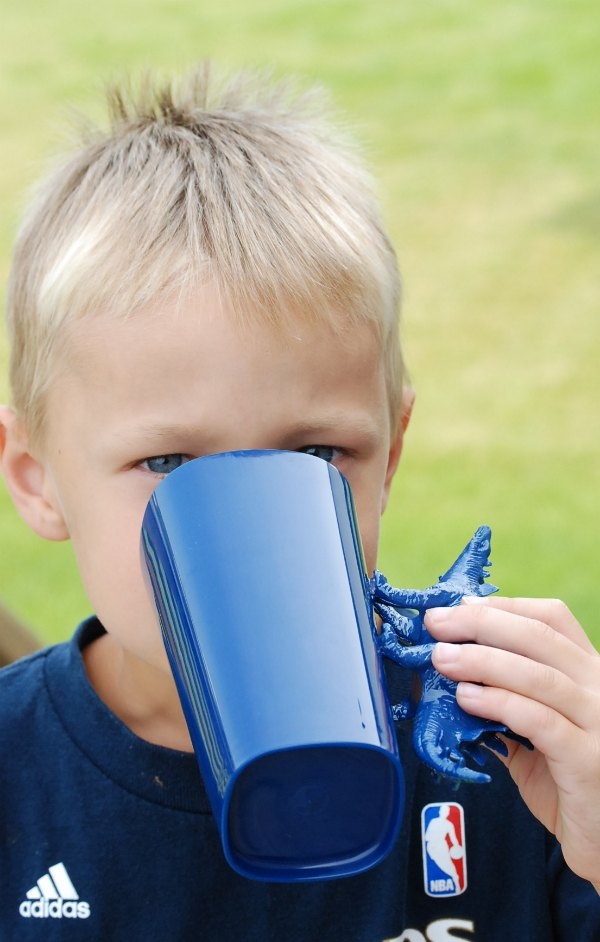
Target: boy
{"x": 204, "y": 277}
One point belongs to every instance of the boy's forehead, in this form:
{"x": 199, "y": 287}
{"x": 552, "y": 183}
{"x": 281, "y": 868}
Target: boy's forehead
{"x": 176, "y": 363}
{"x": 248, "y": 331}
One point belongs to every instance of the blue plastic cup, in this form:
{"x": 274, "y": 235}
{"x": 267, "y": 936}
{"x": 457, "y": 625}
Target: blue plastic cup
{"x": 259, "y": 581}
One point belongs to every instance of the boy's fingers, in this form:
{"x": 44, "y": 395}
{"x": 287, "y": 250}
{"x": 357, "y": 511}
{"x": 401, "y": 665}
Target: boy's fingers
{"x": 518, "y": 675}
{"x": 512, "y": 674}
{"x": 521, "y": 634}
{"x": 552, "y": 612}
{"x": 548, "y": 730}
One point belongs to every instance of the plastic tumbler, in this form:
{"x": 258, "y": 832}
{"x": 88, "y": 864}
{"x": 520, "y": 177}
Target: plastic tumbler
{"x": 259, "y": 581}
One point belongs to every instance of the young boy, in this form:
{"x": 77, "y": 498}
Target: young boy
{"x": 212, "y": 275}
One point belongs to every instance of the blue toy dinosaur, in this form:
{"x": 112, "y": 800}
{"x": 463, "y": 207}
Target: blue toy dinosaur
{"x": 444, "y": 736}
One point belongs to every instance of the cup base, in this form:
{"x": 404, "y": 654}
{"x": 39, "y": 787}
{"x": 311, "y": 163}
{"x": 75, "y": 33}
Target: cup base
{"x": 313, "y": 813}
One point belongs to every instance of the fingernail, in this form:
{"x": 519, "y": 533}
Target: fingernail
{"x": 473, "y": 600}
{"x": 445, "y": 653}
{"x": 470, "y": 692}
{"x": 436, "y": 615}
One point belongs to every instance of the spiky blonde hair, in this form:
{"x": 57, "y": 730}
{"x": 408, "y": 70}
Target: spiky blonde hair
{"x": 244, "y": 182}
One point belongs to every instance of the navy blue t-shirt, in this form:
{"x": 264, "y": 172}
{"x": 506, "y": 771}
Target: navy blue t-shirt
{"x": 106, "y": 837}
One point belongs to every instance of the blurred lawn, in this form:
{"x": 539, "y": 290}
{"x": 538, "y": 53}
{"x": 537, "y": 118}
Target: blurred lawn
{"x": 481, "y": 121}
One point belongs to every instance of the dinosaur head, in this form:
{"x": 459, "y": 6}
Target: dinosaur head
{"x": 469, "y": 572}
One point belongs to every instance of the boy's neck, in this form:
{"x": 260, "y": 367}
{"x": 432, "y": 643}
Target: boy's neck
{"x": 142, "y": 697}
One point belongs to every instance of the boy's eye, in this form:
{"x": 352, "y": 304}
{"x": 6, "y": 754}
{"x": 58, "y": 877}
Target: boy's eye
{"x": 164, "y": 464}
{"x": 325, "y": 452}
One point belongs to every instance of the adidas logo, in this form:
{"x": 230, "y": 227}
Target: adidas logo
{"x": 54, "y": 897}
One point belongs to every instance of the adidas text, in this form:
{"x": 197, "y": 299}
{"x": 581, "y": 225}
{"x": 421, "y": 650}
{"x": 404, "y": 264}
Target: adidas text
{"x": 53, "y": 896}
{"x": 54, "y": 909}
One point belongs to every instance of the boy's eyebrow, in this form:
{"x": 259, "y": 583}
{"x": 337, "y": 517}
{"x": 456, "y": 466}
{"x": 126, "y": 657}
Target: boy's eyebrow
{"x": 360, "y": 423}
{"x": 166, "y": 430}
{"x": 145, "y": 431}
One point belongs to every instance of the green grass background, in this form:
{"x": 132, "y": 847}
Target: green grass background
{"x": 481, "y": 121}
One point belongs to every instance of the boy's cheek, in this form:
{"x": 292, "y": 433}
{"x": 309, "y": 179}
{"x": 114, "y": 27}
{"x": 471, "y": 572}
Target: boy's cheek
{"x": 369, "y": 534}
{"x": 367, "y": 507}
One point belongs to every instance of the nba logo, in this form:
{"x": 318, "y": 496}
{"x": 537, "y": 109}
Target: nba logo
{"x": 444, "y": 850}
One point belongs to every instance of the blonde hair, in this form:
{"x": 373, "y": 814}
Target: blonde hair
{"x": 247, "y": 184}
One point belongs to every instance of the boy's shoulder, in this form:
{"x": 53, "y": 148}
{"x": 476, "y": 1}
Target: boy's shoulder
{"x": 30, "y": 671}
{"x": 31, "y": 687}
{"x": 23, "y": 674}
{"x": 23, "y": 692}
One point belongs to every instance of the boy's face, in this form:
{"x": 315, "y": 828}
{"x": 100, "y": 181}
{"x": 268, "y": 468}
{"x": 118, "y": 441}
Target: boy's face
{"x": 139, "y": 397}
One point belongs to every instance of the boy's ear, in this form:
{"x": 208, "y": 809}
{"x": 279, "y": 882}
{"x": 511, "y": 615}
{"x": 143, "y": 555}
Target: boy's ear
{"x": 28, "y": 480}
{"x": 408, "y": 401}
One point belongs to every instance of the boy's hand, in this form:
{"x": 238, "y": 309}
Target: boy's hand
{"x": 541, "y": 678}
